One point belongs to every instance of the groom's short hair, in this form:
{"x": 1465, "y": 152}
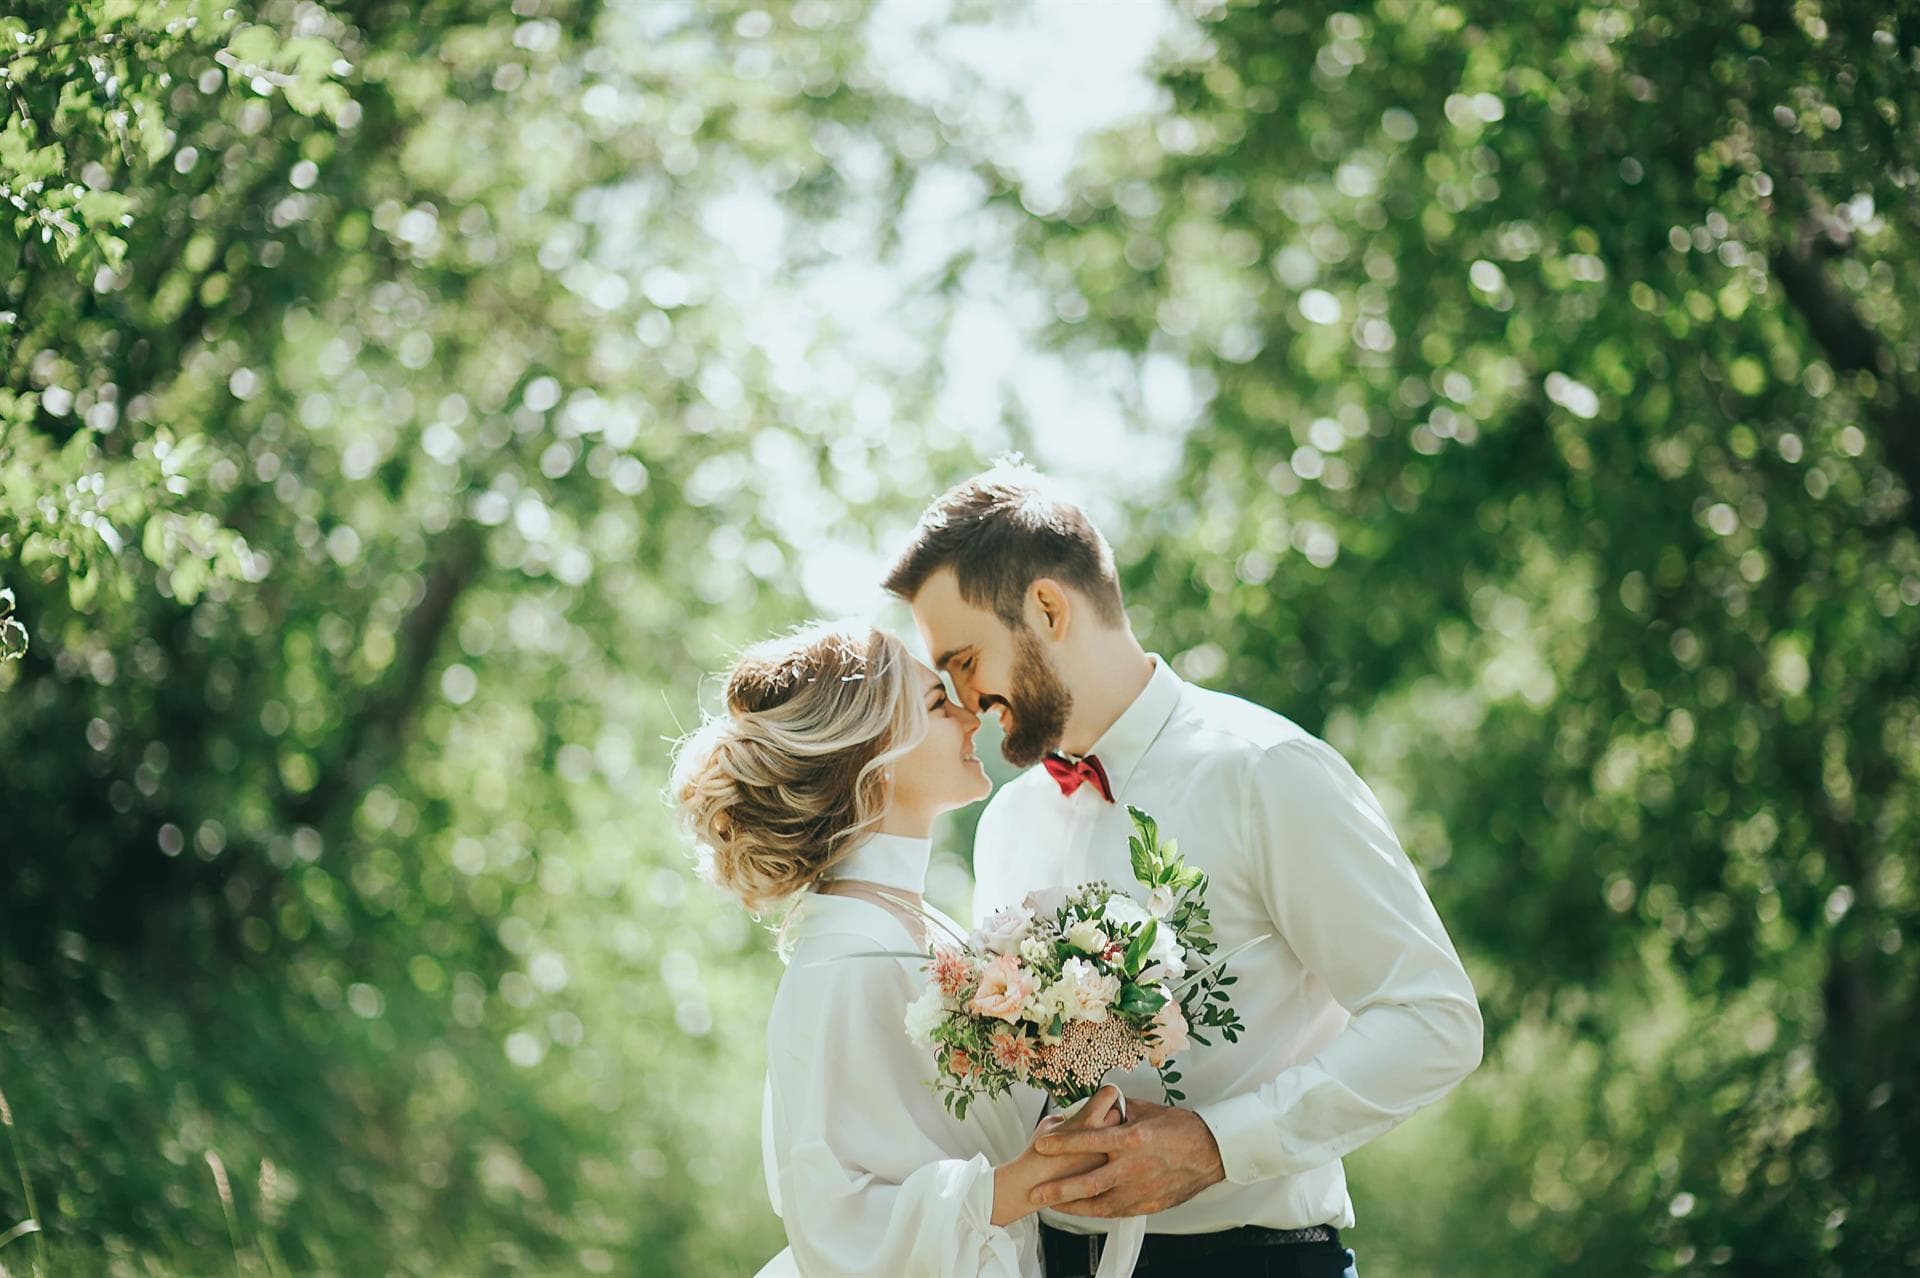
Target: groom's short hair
{"x": 1002, "y": 530}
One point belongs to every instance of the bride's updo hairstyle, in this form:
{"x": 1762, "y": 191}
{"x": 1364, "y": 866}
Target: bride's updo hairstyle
{"x": 782, "y": 786}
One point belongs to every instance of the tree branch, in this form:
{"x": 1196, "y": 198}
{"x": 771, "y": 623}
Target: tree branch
{"x": 378, "y": 724}
{"x": 1850, "y": 343}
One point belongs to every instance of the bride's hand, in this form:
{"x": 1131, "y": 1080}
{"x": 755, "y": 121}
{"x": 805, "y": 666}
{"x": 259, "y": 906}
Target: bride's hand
{"x": 1014, "y": 1181}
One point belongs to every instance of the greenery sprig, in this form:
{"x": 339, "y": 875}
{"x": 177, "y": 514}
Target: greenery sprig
{"x": 1159, "y": 865}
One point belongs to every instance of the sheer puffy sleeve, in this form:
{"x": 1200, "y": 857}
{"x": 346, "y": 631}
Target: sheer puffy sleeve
{"x": 870, "y": 1175}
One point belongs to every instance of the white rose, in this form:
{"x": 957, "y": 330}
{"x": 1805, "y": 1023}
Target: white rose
{"x": 1046, "y": 902}
{"x": 925, "y": 1015}
{"x": 1087, "y": 937}
{"x": 1005, "y": 929}
{"x": 1171, "y": 968}
{"x": 1161, "y": 901}
{"x": 1125, "y": 911}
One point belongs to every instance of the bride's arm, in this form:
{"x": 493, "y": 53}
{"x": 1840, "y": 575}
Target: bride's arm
{"x": 872, "y": 1181}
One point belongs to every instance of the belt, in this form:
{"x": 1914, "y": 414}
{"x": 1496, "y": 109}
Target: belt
{"x": 1066, "y": 1252}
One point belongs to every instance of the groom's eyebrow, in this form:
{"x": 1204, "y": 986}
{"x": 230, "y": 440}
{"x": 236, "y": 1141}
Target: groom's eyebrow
{"x": 947, "y": 657}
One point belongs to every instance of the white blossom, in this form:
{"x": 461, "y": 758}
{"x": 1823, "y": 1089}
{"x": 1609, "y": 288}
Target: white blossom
{"x": 1046, "y": 902}
{"x": 1005, "y": 929}
{"x": 1166, "y": 949}
{"x": 1125, "y": 911}
{"x": 1089, "y": 990}
{"x": 925, "y": 1015}
{"x": 1055, "y": 1000}
{"x": 1087, "y": 937}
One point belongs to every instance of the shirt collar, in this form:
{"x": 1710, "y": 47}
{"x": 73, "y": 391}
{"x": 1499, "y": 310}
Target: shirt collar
{"x": 1124, "y": 743}
{"x": 891, "y": 860}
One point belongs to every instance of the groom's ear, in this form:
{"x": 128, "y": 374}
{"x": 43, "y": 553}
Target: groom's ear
{"x": 1053, "y": 604}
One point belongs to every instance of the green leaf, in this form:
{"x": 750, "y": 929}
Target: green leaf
{"x": 255, "y": 44}
{"x": 82, "y": 587}
{"x": 1136, "y": 955}
{"x": 104, "y": 208}
{"x": 1148, "y": 828}
{"x": 1142, "y": 859}
{"x": 1141, "y": 1000}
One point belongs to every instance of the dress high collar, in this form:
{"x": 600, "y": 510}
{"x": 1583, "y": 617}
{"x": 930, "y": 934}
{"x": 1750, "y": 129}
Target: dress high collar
{"x": 891, "y": 860}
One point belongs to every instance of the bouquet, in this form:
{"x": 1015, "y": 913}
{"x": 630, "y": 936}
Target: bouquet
{"x": 1071, "y": 984}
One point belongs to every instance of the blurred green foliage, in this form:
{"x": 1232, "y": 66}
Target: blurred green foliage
{"x": 380, "y": 471}
{"x": 389, "y": 443}
{"x": 1560, "y": 464}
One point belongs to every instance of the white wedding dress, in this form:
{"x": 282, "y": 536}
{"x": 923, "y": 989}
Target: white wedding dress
{"x": 870, "y": 1174}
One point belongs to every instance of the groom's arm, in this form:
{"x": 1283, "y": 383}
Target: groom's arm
{"x": 1344, "y": 897}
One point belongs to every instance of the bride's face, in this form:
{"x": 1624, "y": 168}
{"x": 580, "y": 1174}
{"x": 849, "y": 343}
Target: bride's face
{"x": 942, "y": 772}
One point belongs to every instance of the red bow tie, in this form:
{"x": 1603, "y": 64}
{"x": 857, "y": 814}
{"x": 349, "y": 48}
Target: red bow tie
{"x": 1072, "y": 775}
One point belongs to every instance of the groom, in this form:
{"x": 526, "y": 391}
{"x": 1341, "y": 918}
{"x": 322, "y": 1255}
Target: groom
{"x": 1357, "y": 1009}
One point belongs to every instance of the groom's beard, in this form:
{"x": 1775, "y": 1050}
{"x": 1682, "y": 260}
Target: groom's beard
{"x": 1040, "y": 704}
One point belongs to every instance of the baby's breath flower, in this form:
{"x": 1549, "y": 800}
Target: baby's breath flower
{"x": 1087, "y": 1050}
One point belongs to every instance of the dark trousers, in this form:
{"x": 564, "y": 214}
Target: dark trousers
{"x": 1221, "y": 1255}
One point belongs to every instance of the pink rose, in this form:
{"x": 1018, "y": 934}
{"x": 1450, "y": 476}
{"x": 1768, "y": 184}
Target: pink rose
{"x": 1004, "y": 989}
{"x": 1167, "y": 1036}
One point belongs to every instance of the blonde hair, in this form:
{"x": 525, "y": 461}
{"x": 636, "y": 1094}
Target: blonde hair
{"x": 780, "y": 788}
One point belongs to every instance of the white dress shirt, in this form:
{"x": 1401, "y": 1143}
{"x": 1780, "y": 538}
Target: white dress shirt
{"x": 1357, "y": 1011}
{"x": 870, "y": 1174}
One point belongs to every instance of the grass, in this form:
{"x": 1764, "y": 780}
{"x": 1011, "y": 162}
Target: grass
{"x": 406, "y": 1145}
{"x": 31, "y": 1225}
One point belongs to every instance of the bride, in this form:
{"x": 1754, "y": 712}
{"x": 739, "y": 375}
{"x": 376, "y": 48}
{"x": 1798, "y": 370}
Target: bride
{"x": 821, "y": 783}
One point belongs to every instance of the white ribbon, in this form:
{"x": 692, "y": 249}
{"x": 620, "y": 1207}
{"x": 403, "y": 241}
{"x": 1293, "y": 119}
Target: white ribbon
{"x": 1122, "y": 1248}
{"x": 1124, "y": 1237}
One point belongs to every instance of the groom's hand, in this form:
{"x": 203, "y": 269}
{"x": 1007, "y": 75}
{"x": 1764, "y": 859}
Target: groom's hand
{"x": 1160, "y": 1157}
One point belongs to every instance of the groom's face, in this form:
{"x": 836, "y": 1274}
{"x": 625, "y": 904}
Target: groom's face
{"x": 995, "y": 668}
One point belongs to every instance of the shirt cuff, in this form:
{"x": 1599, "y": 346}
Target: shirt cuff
{"x": 1242, "y": 1129}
